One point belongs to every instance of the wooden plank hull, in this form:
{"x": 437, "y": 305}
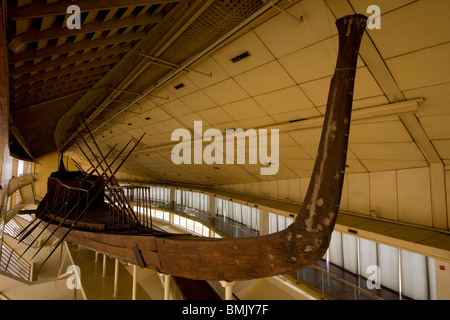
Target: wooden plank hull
{"x": 206, "y": 258}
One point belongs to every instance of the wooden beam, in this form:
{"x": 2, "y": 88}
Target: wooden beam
{"x": 116, "y": 23}
{"x": 57, "y": 98}
{"x": 51, "y": 91}
{"x": 54, "y": 93}
{"x": 78, "y": 57}
{"x": 53, "y": 50}
{"x": 29, "y": 96}
{"x": 48, "y": 83}
{"x": 55, "y": 73}
{"x": 40, "y": 9}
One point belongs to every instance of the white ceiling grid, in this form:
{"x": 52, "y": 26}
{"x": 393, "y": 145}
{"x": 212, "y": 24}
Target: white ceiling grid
{"x": 286, "y": 77}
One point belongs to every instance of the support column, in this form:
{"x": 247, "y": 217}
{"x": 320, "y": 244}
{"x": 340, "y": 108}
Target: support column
{"x": 228, "y": 289}
{"x": 133, "y": 295}
{"x": 172, "y": 198}
{"x": 438, "y": 196}
{"x": 104, "y": 266}
{"x": 116, "y": 277}
{"x": 166, "y": 285}
{"x": 96, "y": 257}
{"x": 263, "y": 222}
{"x": 212, "y": 205}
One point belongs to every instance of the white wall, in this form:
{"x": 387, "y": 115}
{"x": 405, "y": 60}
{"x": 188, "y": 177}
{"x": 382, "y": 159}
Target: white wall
{"x": 408, "y": 195}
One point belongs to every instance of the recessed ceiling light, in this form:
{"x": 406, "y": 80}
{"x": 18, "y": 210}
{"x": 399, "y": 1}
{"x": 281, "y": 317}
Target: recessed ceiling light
{"x": 297, "y": 120}
{"x": 240, "y": 57}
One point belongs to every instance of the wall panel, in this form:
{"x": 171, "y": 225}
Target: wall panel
{"x": 383, "y": 194}
{"x": 414, "y": 199}
{"x": 295, "y": 190}
{"x": 358, "y": 193}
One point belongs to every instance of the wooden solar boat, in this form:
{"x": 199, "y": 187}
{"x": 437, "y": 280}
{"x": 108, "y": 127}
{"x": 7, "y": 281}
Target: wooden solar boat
{"x": 74, "y": 208}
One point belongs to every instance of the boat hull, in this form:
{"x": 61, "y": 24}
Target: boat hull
{"x": 206, "y": 258}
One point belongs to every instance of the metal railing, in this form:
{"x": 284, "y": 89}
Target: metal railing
{"x": 13, "y": 264}
{"x": 328, "y": 285}
{"x": 8, "y": 209}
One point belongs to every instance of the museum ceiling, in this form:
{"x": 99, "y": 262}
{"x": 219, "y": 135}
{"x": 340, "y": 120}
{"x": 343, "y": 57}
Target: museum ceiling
{"x": 155, "y": 66}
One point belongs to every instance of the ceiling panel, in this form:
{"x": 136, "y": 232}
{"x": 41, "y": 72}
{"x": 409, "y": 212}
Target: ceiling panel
{"x": 307, "y": 136}
{"x": 284, "y": 100}
{"x": 215, "y": 115}
{"x": 387, "y": 131}
{"x": 187, "y": 86}
{"x": 436, "y": 99}
{"x": 244, "y": 109}
{"x": 421, "y": 68}
{"x": 225, "y": 92}
{"x": 295, "y": 35}
{"x": 386, "y": 6}
{"x": 198, "y": 101}
{"x": 443, "y": 148}
{"x": 387, "y": 151}
{"x": 209, "y": 67}
{"x": 436, "y": 127}
{"x": 299, "y": 63}
{"x": 249, "y": 42}
{"x": 386, "y": 165}
{"x": 417, "y": 25}
{"x": 317, "y": 90}
{"x": 257, "y": 81}
{"x": 177, "y": 108}
{"x": 293, "y": 152}
{"x": 295, "y": 115}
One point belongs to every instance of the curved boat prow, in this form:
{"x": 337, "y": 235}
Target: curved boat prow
{"x": 301, "y": 244}
{"x": 321, "y": 203}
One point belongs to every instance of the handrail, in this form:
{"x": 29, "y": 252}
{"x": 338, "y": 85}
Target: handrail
{"x": 14, "y": 184}
{"x": 211, "y": 219}
{"x": 345, "y": 282}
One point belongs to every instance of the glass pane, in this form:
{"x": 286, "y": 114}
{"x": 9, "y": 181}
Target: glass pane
{"x": 205, "y": 231}
{"x": 431, "y": 264}
{"x": 281, "y": 222}
{"x": 190, "y": 224}
{"x": 335, "y": 249}
{"x": 198, "y": 227}
{"x": 350, "y": 252}
{"x": 414, "y": 275}
{"x": 183, "y": 222}
{"x": 367, "y": 256}
{"x": 273, "y": 223}
{"x": 389, "y": 267}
